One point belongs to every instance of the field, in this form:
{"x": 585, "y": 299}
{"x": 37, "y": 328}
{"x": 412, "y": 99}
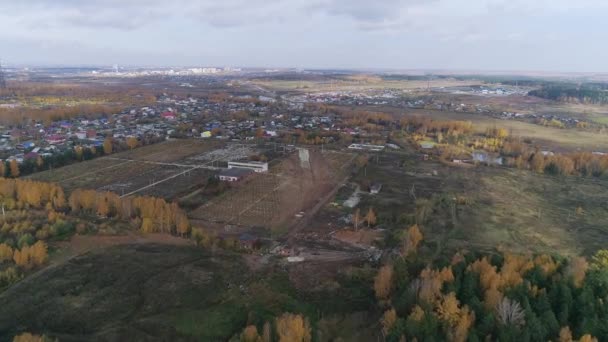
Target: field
{"x": 154, "y": 292}
{"x": 518, "y": 210}
{"x": 527, "y": 211}
{"x": 550, "y": 138}
{"x": 356, "y": 84}
{"x": 170, "y": 169}
{"x": 271, "y": 200}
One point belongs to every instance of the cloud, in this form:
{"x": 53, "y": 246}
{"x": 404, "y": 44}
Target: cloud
{"x": 296, "y": 32}
{"x": 364, "y": 14}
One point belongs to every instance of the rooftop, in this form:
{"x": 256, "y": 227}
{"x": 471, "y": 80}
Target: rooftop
{"x": 235, "y": 172}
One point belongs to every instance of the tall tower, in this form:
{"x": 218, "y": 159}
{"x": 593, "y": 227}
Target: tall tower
{"x": 2, "y": 78}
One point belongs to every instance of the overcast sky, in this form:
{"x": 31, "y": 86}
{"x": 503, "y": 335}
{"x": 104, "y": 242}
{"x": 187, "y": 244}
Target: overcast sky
{"x": 542, "y": 35}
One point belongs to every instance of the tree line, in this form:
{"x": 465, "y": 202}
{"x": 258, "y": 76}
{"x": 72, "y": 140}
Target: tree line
{"x": 153, "y": 214}
{"x": 590, "y": 93}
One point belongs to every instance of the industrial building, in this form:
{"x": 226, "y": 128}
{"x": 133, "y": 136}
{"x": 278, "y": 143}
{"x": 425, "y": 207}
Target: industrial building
{"x": 251, "y": 165}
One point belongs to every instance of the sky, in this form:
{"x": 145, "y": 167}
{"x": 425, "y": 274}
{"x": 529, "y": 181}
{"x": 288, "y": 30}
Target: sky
{"x": 501, "y": 35}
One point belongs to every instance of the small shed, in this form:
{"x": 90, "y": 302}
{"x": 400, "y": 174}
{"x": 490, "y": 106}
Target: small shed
{"x": 234, "y": 174}
{"x": 249, "y": 241}
{"x": 375, "y": 188}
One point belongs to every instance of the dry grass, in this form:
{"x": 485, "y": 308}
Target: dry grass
{"x": 358, "y": 84}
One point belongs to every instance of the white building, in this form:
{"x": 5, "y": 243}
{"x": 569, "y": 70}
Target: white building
{"x": 367, "y": 147}
{"x": 252, "y": 165}
{"x": 234, "y": 174}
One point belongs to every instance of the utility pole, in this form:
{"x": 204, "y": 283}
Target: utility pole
{"x": 2, "y": 77}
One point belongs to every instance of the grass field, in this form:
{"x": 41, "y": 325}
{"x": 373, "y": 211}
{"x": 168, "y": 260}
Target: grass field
{"x": 546, "y": 137}
{"x": 154, "y": 292}
{"x": 527, "y": 211}
{"x": 519, "y": 210}
{"x": 357, "y": 84}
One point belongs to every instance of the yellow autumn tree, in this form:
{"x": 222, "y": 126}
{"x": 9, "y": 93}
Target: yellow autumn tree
{"x": 417, "y": 314}
{"x": 599, "y": 260}
{"x": 147, "y": 226}
{"x": 388, "y": 320}
{"x": 39, "y": 253}
{"x": 183, "y": 225}
{"x": 431, "y": 281}
{"x": 412, "y": 240}
{"x": 587, "y": 338}
{"x": 293, "y": 328}
{"x": 370, "y": 218}
{"x": 383, "y": 283}
{"x": 538, "y": 162}
{"x": 132, "y": 142}
{"x": 28, "y": 337}
{"x": 460, "y": 331}
{"x": 565, "y": 335}
{"x": 107, "y": 146}
{"x": 546, "y": 263}
{"x": 250, "y": 334}
{"x": 578, "y": 270}
{"x": 79, "y": 151}
{"x": 103, "y": 207}
{"x": 14, "y": 168}
{"x": 31, "y": 256}
{"x": 6, "y": 252}
{"x": 21, "y": 258}
{"x": 448, "y": 309}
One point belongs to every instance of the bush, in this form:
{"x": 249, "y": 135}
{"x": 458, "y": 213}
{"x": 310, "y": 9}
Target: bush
{"x": 26, "y": 240}
{"x": 62, "y": 228}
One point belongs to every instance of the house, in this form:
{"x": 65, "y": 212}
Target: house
{"x": 367, "y": 147}
{"x": 375, "y": 188}
{"x": 26, "y": 145}
{"x": 31, "y": 155}
{"x": 168, "y": 116}
{"x": 427, "y": 144}
{"x": 81, "y": 135}
{"x": 55, "y": 139}
{"x": 234, "y": 174}
{"x": 16, "y": 134}
{"x": 487, "y": 158}
{"x": 249, "y": 241}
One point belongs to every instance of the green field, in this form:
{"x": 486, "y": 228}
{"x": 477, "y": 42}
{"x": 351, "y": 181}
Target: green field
{"x": 520, "y": 210}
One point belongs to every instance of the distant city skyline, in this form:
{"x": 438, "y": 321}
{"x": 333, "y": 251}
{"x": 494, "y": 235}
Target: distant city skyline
{"x": 477, "y": 35}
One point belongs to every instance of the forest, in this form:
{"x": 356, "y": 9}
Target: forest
{"x": 588, "y": 93}
{"x": 499, "y": 296}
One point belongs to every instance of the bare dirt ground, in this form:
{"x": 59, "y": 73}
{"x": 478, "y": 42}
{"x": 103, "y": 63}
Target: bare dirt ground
{"x": 271, "y": 200}
{"x": 363, "y": 237}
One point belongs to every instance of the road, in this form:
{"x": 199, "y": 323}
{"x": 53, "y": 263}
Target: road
{"x": 303, "y": 222}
